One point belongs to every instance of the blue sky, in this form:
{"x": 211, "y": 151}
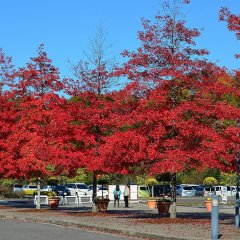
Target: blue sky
{"x": 65, "y": 26}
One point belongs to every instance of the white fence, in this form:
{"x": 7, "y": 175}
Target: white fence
{"x": 67, "y": 200}
{"x": 43, "y": 200}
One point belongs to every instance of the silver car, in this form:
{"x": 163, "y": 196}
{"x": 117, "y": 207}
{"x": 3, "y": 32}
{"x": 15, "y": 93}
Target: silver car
{"x": 186, "y": 191}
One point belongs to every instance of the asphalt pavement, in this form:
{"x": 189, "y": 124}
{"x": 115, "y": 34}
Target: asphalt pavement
{"x": 18, "y": 230}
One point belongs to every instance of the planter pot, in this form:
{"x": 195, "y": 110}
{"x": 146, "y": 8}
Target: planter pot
{"x": 163, "y": 207}
{"x": 208, "y": 205}
{"x": 53, "y": 203}
{"x": 102, "y": 205}
{"x": 152, "y": 203}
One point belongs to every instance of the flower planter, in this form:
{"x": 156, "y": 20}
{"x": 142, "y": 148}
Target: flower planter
{"x": 54, "y": 202}
{"x": 102, "y": 205}
{"x": 163, "y": 207}
{"x": 152, "y": 203}
{"x": 208, "y": 204}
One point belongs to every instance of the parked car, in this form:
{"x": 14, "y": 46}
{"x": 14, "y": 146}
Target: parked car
{"x": 30, "y": 187}
{"x": 61, "y": 190}
{"x": 143, "y": 191}
{"x": 218, "y": 190}
{"x": 100, "y": 189}
{"x": 208, "y": 191}
{"x": 78, "y": 189}
{"x": 199, "y": 191}
{"x": 185, "y": 191}
{"x": 162, "y": 190}
{"x": 17, "y": 187}
{"x": 193, "y": 186}
{"x": 233, "y": 190}
{"x": 47, "y": 188}
{"x": 178, "y": 189}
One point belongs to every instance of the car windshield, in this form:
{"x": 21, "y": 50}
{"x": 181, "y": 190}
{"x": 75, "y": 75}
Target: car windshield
{"x": 199, "y": 189}
{"x": 187, "y": 188}
{"x": 32, "y": 187}
{"x": 102, "y": 188}
{"x": 17, "y": 186}
{"x": 82, "y": 186}
{"x": 60, "y": 187}
{"x": 208, "y": 189}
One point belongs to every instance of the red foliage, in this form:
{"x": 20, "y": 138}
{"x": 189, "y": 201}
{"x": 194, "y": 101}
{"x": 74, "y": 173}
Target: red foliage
{"x": 36, "y": 139}
{"x": 184, "y": 118}
{"x": 39, "y": 77}
{"x": 233, "y": 22}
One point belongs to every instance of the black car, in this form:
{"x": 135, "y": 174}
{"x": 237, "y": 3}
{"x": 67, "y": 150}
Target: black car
{"x": 199, "y": 191}
{"x": 61, "y": 190}
{"x": 162, "y": 190}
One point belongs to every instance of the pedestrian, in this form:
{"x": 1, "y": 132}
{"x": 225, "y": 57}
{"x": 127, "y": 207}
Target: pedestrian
{"x": 126, "y": 194}
{"x": 117, "y": 194}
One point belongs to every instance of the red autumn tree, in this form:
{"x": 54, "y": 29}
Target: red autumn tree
{"x": 34, "y": 139}
{"x": 89, "y": 106}
{"x": 31, "y": 148}
{"x": 39, "y": 77}
{"x": 198, "y": 132}
{"x": 7, "y": 120}
{"x": 7, "y": 113}
{"x": 166, "y": 53}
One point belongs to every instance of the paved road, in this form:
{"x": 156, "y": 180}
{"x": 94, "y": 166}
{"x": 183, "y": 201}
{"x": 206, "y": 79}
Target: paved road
{"x": 14, "y": 230}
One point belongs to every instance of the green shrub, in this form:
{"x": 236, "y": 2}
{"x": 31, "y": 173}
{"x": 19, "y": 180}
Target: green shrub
{"x": 8, "y": 193}
{"x": 29, "y": 192}
{"x": 150, "y": 182}
{"x": 104, "y": 179}
{"x": 12, "y": 194}
{"x": 3, "y": 190}
{"x": 48, "y": 193}
{"x": 210, "y": 181}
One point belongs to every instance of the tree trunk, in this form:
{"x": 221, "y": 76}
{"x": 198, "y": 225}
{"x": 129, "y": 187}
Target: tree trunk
{"x": 38, "y": 206}
{"x": 94, "y": 206}
{"x": 173, "y": 211}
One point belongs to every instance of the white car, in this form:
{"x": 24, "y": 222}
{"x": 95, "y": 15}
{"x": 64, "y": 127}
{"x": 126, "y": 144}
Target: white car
{"x": 100, "y": 190}
{"x": 17, "y": 187}
{"x": 79, "y": 189}
{"x": 30, "y": 187}
{"x": 47, "y": 188}
{"x": 185, "y": 191}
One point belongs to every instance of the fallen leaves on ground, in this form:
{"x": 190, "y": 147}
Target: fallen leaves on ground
{"x": 166, "y": 220}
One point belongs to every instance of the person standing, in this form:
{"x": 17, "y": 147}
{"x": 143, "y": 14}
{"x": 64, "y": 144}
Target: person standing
{"x": 126, "y": 194}
{"x": 116, "y": 194}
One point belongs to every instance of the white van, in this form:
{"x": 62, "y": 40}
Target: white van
{"x": 218, "y": 190}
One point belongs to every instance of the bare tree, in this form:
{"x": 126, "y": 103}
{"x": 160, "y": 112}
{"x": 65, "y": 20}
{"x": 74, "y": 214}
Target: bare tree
{"x": 95, "y": 72}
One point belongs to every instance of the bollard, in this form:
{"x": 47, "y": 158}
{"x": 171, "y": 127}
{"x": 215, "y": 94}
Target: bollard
{"x": 237, "y": 210}
{"x": 214, "y": 218}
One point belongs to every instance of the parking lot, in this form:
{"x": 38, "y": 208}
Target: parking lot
{"x": 138, "y": 220}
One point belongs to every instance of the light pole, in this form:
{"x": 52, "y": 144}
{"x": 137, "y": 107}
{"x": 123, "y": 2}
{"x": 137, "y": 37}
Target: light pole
{"x": 237, "y": 190}
{"x": 237, "y": 183}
